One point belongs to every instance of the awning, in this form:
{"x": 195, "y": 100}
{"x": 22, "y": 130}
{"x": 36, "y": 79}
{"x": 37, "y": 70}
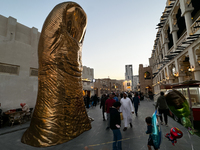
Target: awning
{"x": 190, "y": 83}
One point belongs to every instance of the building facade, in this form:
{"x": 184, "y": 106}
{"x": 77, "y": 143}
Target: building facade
{"x": 135, "y": 82}
{"x": 127, "y": 85}
{"x": 145, "y": 80}
{"x": 129, "y": 77}
{"x": 176, "y": 53}
{"x": 88, "y": 81}
{"x": 19, "y": 65}
{"x": 107, "y": 85}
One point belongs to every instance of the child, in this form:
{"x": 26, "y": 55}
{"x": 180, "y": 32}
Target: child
{"x": 115, "y": 123}
{"x": 149, "y": 131}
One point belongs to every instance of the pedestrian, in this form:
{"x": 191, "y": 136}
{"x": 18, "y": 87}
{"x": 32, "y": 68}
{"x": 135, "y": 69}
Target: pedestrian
{"x": 162, "y": 108}
{"x": 109, "y": 102}
{"x": 88, "y": 101}
{"x": 149, "y": 131}
{"x": 121, "y": 96}
{"x": 85, "y": 100}
{"x": 136, "y": 102}
{"x": 139, "y": 94}
{"x": 118, "y": 96}
{"x": 126, "y": 109}
{"x": 102, "y": 105}
{"x": 95, "y": 99}
{"x": 0, "y": 109}
{"x": 142, "y": 96}
{"x": 115, "y": 124}
{"x": 92, "y": 101}
{"x": 151, "y": 95}
{"x": 115, "y": 97}
{"x": 130, "y": 96}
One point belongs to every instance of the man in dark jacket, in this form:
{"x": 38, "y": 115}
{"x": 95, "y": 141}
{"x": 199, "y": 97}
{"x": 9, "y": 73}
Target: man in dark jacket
{"x": 136, "y": 102}
{"x": 115, "y": 123}
{"x": 88, "y": 101}
{"x": 95, "y": 99}
{"x": 102, "y": 105}
{"x": 162, "y": 108}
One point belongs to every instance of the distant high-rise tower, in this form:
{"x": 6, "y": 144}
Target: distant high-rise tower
{"x": 129, "y": 74}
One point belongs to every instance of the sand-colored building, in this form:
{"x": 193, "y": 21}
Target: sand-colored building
{"x": 88, "y": 81}
{"x": 107, "y": 85}
{"x": 145, "y": 79}
{"x": 19, "y": 65}
{"x": 176, "y": 52}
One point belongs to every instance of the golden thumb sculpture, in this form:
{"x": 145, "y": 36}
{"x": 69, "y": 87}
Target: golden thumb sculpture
{"x": 60, "y": 113}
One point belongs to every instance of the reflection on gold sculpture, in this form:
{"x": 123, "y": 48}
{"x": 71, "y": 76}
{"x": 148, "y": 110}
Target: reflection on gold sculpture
{"x": 60, "y": 114}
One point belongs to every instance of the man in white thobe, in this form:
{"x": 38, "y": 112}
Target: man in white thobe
{"x": 127, "y": 110}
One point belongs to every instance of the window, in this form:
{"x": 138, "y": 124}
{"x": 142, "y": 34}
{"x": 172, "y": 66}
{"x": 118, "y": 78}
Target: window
{"x": 147, "y": 75}
{"x": 33, "y": 72}
{"x": 7, "y": 68}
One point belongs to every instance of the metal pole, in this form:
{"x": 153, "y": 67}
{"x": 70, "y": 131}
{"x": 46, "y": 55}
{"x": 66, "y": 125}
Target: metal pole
{"x": 190, "y": 105}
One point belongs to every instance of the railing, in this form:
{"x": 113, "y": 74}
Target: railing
{"x": 170, "y": 50}
{"x": 181, "y": 39}
{"x": 178, "y": 43}
{"x": 195, "y": 26}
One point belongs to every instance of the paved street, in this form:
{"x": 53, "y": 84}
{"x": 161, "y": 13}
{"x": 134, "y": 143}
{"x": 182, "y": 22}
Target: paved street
{"x": 100, "y": 139}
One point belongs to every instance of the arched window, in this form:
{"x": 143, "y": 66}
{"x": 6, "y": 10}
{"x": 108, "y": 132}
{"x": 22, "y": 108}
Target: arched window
{"x": 147, "y": 75}
{"x": 174, "y": 70}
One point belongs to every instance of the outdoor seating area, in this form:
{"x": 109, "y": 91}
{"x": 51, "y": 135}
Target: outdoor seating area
{"x": 14, "y": 116}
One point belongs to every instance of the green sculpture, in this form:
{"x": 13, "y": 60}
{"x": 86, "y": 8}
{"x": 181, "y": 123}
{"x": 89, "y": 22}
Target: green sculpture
{"x": 179, "y": 106}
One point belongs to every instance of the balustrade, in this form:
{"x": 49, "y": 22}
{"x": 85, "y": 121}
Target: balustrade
{"x": 195, "y": 26}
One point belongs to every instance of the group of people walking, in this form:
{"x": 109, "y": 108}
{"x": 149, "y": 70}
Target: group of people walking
{"x": 87, "y": 100}
{"x": 113, "y": 106}
{"x": 126, "y": 106}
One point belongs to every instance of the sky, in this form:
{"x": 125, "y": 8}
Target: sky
{"x": 118, "y": 32}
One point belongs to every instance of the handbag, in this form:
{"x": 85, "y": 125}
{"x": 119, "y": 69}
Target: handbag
{"x": 121, "y": 116}
{"x": 105, "y": 115}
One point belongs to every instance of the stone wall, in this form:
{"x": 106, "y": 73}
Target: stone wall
{"x": 18, "y": 64}
{"x": 87, "y": 78}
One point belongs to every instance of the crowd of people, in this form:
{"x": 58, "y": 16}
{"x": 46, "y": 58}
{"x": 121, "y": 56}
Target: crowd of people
{"x": 127, "y": 103}
{"x": 114, "y": 108}
{"x": 117, "y": 107}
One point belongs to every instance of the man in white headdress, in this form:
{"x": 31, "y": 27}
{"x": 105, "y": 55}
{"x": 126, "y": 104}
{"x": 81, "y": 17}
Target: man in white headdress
{"x": 127, "y": 110}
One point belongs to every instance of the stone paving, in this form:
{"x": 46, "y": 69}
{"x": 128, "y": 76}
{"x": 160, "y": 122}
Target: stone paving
{"x": 100, "y": 139}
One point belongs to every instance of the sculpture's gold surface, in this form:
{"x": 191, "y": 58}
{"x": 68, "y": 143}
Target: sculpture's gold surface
{"x": 59, "y": 114}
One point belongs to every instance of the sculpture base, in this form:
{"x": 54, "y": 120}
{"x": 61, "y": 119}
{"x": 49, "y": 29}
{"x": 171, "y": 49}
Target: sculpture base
{"x": 33, "y": 137}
